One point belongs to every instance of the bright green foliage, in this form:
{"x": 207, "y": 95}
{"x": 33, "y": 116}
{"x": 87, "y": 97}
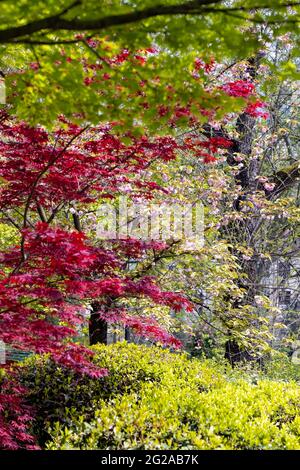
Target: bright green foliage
{"x": 154, "y": 399}
{"x": 58, "y": 87}
{"x": 237, "y": 415}
{"x": 58, "y": 393}
{"x": 8, "y": 235}
{"x": 282, "y": 368}
{"x": 46, "y": 34}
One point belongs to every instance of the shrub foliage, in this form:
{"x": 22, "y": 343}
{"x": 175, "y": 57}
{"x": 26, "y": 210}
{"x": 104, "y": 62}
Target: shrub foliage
{"x": 155, "y": 399}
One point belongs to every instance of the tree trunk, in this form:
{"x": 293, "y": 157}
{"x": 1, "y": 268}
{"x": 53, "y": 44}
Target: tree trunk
{"x": 247, "y": 179}
{"x": 127, "y": 334}
{"x": 97, "y": 327}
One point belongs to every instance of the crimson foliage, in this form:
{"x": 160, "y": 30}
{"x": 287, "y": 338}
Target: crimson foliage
{"x": 54, "y": 271}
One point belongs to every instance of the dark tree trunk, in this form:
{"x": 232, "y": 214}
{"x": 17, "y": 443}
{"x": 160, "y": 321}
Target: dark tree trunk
{"x": 127, "y": 333}
{"x": 97, "y": 327}
{"x": 97, "y": 330}
{"x": 232, "y": 352}
{"x": 246, "y": 177}
{"x": 235, "y": 354}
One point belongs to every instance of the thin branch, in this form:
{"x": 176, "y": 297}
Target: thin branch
{"x": 45, "y": 169}
{"x": 33, "y": 188}
{"x": 76, "y": 221}
{"x": 11, "y": 220}
{"x": 41, "y": 212}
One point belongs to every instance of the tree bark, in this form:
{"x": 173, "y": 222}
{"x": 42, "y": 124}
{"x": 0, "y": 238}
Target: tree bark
{"x": 97, "y": 327}
{"x": 246, "y": 177}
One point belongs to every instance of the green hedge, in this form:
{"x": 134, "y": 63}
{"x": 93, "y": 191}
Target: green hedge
{"x": 154, "y": 399}
{"x": 237, "y": 416}
{"x": 59, "y": 394}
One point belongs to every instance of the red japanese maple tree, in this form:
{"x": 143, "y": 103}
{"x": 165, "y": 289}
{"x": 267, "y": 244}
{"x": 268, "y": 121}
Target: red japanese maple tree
{"x": 56, "y": 268}
{"x": 45, "y": 278}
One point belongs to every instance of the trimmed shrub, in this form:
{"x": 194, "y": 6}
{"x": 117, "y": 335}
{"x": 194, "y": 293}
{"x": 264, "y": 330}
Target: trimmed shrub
{"x": 238, "y": 415}
{"x": 155, "y": 399}
{"x": 59, "y": 394}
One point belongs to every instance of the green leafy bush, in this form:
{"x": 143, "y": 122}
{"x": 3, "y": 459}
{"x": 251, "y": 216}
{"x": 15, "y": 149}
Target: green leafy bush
{"x": 281, "y": 367}
{"x": 239, "y": 415}
{"x": 154, "y": 399}
{"x": 59, "y": 394}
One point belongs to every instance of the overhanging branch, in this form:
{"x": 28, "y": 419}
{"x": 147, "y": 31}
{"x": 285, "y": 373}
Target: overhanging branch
{"x": 58, "y": 23}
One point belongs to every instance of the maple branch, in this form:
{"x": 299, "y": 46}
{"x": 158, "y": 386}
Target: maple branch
{"x": 76, "y": 221}
{"x": 55, "y": 211}
{"x": 45, "y": 169}
{"x": 41, "y": 212}
{"x": 196, "y": 7}
{"x": 33, "y": 188}
{"x": 11, "y": 220}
